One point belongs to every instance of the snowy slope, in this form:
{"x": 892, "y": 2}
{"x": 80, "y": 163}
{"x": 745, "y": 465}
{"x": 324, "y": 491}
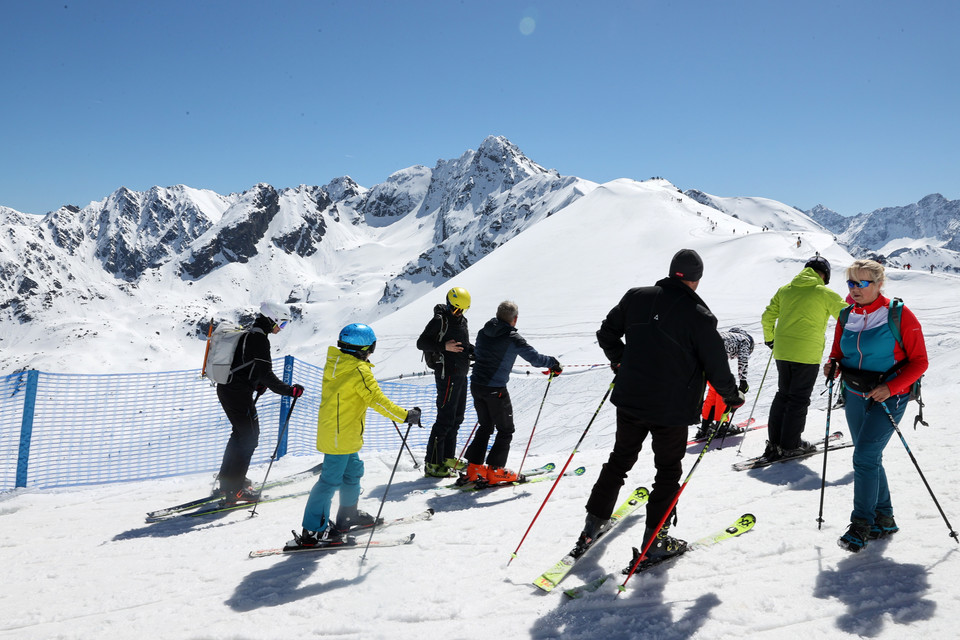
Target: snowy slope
{"x": 82, "y": 564}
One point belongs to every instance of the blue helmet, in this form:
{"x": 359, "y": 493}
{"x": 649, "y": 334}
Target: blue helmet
{"x": 357, "y": 339}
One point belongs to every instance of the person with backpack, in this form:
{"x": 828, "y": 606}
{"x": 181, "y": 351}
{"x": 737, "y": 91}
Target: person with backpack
{"x": 498, "y": 345}
{"x": 663, "y": 344}
{"x": 348, "y": 390}
{"x": 739, "y": 346}
{"x": 795, "y": 326}
{"x": 446, "y": 347}
{"x": 251, "y": 372}
{"x": 879, "y": 351}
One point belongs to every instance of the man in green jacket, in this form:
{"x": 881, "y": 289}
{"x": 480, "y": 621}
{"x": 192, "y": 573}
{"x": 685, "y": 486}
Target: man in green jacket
{"x": 794, "y": 326}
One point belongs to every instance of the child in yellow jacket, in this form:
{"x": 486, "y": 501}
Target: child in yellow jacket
{"x": 349, "y": 389}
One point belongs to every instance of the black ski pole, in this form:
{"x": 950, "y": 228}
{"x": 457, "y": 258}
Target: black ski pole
{"x": 750, "y": 419}
{"x": 562, "y": 471}
{"x": 276, "y": 449}
{"x": 826, "y": 441}
{"x": 389, "y": 482}
{"x": 532, "y": 431}
{"x": 416, "y": 465}
{"x": 953, "y": 534}
{"x": 673, "y": 504}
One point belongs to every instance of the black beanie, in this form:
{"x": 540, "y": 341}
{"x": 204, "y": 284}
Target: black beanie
{"x": 686, "y": 265}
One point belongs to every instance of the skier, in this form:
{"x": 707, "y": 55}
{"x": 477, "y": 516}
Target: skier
{"x": 672, "y": 345}
{"x": 739, "y": 345}
{"x": 876, "y": 368}
{"x": 254, "y": 374}
{"x": 794, "y": 326}
{"x": 349, "y": 388}
{"x": 445, "y": 342}
{"x": 498, "y": 345}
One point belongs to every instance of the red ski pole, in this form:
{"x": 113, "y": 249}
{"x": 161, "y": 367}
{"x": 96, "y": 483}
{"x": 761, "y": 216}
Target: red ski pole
{"x": 562, "y": 471}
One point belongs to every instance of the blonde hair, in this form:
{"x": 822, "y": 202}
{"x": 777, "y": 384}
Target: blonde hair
{"x": 874, "y": 268}
{"x": 507, "y": 311}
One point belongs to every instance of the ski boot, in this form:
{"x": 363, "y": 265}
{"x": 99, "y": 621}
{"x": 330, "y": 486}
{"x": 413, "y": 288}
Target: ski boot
{"x": 883, "y": 526}
{"x": 350, "y": 518}
{"x": 432, "y": 470}
{"x": 475, "y": 474}
{"x": 501, "y": 476}
{"x": 305, "y": 539}
{"x": 662, "y": 548}
{"x": 771, "y": 452}
{"x": 592, "y": 527}
{"x": 856, "y": 536}
{"x": 244, "y": 494}
{"x": 703, "y": 432}
{"x": 455, "y": 464}
{"x": 804, "y": 447}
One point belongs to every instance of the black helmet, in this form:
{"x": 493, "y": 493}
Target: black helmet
{"x": 819, "y": 264}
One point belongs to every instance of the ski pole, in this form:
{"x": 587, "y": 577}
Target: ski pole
{"x": 416, "y": 465}
{"x": 206, "y": 351}
{"x": 384, "y": 498}
{"x": 750, "y": 419}
{"x": 276, "y": 450}
{"x": 467, "y": 443}
{"x": 532, "y": 431}
{"x": 562, "y": 471}
{"x": 673, "y": 504}
{"x": 826, "y": 441}
{"x": 953, "y": 534}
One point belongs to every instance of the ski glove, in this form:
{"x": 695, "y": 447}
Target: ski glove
{"x": 744, "y": 387}
{"x": 556, "y": 369}
{"x": 413, "y": 416}
{"x": 737, "y": 402}
{"x": 296, "y": 391}
{"x": 261, "y": 389}
{"x": 769, "y": 343}
{"x": 615, "y": 367}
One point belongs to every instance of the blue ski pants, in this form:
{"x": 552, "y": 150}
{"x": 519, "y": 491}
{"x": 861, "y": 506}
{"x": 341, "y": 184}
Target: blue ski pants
{"x": 340, "y": 472}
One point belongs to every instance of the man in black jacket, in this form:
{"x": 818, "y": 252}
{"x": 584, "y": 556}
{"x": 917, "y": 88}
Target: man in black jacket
{"x": 672, "y": 344}
{"x": 253, "y": 372}
{"x": 445, "y": 342}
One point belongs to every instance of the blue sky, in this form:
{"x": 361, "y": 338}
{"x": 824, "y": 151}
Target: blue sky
{"x": 852, "y": 104}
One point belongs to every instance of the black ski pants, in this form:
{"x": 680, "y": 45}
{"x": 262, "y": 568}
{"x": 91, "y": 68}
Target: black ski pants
{"x": 788, "y": 411}
{"x": 669, "y": 444}
{"x": 241, "y": 411}
{"x": 451, "y": 405}
{"x": 494, "y": 412}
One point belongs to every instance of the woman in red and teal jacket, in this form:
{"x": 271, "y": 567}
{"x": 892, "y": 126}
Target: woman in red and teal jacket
{"x": 877, "y": 367}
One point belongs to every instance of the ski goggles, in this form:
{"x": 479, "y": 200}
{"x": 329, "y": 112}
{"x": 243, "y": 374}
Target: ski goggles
{"x": 859, "y": 284}
{"x": 282, "y": 323}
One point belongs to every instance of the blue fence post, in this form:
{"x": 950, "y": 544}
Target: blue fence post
{"x": 284, "y": 434}
{"x": 26, "y": 427}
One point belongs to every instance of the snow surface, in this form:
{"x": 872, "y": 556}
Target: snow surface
{"x": 81, "y": 563}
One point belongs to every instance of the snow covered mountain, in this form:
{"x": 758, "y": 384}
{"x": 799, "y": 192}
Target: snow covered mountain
{"x": 156, "y": 265}
{"x": 146, "y": 271}
{"x": 923, "y": 234}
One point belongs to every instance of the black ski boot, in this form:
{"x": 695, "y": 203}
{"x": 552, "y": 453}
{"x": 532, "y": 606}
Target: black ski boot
{"x": 592, "y": 527}
{"x": 856, "y": 536}
{"x": 662, "y": 548}
{"x": 349, "y": 518}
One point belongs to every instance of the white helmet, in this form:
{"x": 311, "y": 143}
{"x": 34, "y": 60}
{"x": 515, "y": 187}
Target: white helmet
{"x": 278, "y": 313}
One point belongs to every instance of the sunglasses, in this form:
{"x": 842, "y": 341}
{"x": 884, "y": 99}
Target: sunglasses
{"x": 859, "y": 284}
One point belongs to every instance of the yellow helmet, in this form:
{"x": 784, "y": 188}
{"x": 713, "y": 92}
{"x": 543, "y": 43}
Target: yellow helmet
{"x": 458, "y": 298}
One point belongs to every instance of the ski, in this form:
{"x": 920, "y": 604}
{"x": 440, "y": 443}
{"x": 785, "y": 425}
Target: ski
{"x": 552, "y": 576}
{"x": 760, "y": 461}
{"x": 473, "y": 486}
{"x": 739, "y": 429}
{"x": 215, "y": 497}
{"x": 743, "y": 524}
{"x": 539, "y": 471}
{"x": 349, "y": 542}
{"x": 214, "y": 508}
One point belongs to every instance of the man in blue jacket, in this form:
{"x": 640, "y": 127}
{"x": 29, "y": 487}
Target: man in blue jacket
{"x": 498, "y": 345}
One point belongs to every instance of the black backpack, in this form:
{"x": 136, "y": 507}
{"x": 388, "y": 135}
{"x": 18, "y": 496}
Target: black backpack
{"x": 434, "y": 359}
